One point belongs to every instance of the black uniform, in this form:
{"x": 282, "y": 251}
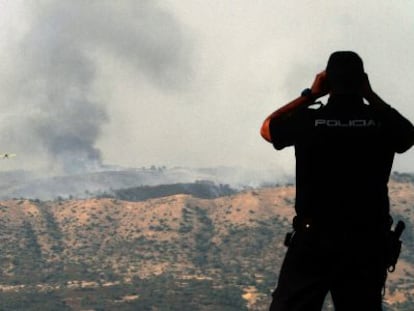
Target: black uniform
{"x": 344, "y": 153}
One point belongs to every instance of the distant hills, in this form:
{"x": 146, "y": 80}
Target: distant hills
{"x": 198, "y": 189}
{"x": 136, "y": 251}
{"x": 23, "y": 184}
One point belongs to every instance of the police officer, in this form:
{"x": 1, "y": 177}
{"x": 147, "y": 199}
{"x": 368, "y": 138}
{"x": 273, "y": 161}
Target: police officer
{"x": 344, "y": 153}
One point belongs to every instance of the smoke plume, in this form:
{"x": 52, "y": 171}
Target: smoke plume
{"x": 51, "y": 109}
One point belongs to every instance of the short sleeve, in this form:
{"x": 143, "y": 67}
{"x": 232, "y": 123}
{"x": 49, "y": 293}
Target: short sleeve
{"x": 401, "y": 131}
{"x": 285, "y": 130}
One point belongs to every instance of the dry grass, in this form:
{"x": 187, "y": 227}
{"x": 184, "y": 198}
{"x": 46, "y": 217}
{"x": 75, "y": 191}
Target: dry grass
{"x": 86, "y": 230}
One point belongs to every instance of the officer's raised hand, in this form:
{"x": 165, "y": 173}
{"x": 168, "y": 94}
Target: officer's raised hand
{"x": 320, "y": 85}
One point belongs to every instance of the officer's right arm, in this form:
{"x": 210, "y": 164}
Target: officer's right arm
{"x": 401, "y": 130}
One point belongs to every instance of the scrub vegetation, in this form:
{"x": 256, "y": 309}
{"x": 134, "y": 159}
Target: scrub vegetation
{"x": 175, "y": 252}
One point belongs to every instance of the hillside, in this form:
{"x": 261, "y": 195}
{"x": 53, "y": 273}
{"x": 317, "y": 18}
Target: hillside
{"x": 32, "y": 185}
{"x": 172, "y": 253}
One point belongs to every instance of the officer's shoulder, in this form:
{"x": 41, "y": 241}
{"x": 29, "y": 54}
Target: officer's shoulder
{"x": 315, "y": 107}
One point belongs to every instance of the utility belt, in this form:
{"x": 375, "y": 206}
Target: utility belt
{"x": 391, "y": 237}
{"x": 334, "y": 228}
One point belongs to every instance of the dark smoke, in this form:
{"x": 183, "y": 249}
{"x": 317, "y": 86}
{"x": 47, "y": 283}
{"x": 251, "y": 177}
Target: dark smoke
{"x": 57, "y": 112}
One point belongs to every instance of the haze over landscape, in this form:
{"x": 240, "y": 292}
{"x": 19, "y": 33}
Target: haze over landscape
{"x": 179, "y": 83}
{"x": 192, "y": 250}
{"x": 140, "y": 180}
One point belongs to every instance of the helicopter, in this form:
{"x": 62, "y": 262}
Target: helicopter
{"x": 7, "y": 155}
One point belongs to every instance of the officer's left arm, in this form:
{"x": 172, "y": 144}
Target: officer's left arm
{"x": 284, "y": 112}
{"x": 318, "y": 89}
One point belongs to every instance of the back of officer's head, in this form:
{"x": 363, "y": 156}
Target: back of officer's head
{"x": 345, "y": 72}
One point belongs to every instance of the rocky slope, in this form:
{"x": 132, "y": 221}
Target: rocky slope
{"x": 178, "y": 251}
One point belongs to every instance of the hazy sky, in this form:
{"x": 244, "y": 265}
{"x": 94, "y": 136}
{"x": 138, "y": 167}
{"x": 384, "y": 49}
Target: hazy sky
{"x": 184, "y": 82}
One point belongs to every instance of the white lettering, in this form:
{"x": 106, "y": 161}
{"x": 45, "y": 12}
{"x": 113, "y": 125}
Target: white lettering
{"x": 320, "y": 122}
{"x": 345, "y": 123}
